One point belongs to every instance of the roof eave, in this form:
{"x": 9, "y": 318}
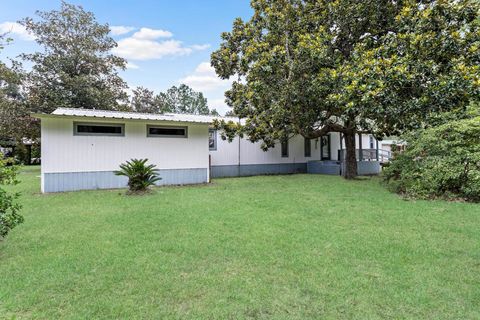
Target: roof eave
{"x": 56, "y": 116}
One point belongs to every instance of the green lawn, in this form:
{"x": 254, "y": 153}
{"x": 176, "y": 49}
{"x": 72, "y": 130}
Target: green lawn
{"x": 283, "y": 247}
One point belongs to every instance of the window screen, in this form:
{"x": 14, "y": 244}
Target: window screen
{"x": 166, "y": 131}
{"x": 98, "y": 129}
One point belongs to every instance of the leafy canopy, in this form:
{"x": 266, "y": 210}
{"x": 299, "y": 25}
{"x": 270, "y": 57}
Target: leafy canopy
{"x": 15, "y": 120}
{"x": 76, "y": 68}
{"x": 443, "y": 161}
{"x": 9, "y": 207}
{"x": 382, "y": 66}
{"x": 181, "y": 99}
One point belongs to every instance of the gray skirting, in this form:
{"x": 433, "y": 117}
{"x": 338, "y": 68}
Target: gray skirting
{"x": 257, "y": 169}
{"x": 72, "y": 181}
{"x": 324, "y": 167}
{"x": 366, "y": 168}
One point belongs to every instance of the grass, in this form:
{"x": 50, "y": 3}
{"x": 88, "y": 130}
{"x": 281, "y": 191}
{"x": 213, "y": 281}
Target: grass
{"x": 282, "y": 247}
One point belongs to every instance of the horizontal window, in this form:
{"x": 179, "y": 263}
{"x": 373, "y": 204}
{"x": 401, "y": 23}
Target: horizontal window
{"x": 98, "y": 129}
{"x": 166, "y": 131}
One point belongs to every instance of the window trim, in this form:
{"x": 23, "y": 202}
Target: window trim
{"x": 149, "y": 135}
{"x": 214, "y": 140}
{"x": 98, "y": 124}
{"x": 309, "y": 143}
{"x": 287, "y": 147}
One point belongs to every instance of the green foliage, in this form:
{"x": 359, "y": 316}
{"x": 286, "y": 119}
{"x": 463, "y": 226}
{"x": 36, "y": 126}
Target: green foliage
{"x": 380, "y": 66}
{"x": 9, "y": 216}
{"x": 15, "y": 121}
{"x": 181, "y": 99}
{"x": 76, "y": 69}
{"x": 140, "y": 175}
{"x": 439, "y": 162}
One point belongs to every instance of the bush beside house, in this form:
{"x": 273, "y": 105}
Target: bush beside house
{"x": 440, "y": 162}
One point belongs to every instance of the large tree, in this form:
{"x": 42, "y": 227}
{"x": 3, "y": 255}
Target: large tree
{"x": 75, "y": 68}
{"x": 181, "y": 99}
{"x": 311, "y": 67}
{"x": 15, "y": 121}
{"x": 143, "y": 100}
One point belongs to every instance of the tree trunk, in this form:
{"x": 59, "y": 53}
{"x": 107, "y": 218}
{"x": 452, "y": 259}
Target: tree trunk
{"x": 350, "y": 158}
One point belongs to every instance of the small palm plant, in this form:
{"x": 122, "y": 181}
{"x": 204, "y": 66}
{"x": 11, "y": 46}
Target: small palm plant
{"x": 140, "y": 175}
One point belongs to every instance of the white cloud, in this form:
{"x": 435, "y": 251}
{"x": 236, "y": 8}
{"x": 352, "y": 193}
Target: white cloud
{"x": 204, "y": 78}
{"x": 151, "y": 34}
{"x": 135, "y": 49}
{"x": 219, "y": 105}
{"x": 145, "y": 45}
{"x": 132, "y": 66}
{"x": 15, "y": 29}
{"x": 200, "y": 46}
{"x": 119, "y": 30}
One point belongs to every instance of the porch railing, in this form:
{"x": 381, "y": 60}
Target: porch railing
{"x": 369, "y": 155}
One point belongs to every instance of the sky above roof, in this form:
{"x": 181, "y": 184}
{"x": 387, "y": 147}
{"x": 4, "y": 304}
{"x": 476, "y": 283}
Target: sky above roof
{"x": 166, "y": 42}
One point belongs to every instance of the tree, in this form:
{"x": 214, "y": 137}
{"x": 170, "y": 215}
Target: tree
{"x": 143, "y": 100}
{"x": 230, "y": 113}
{"x": 443, "y": 161}
{"x": 76, "y": 68}
{"x": 183, "y": 99}
{"x": 382, "y": 66}
{"x": 9, "y": 216}
{"x": 15, "y": 120}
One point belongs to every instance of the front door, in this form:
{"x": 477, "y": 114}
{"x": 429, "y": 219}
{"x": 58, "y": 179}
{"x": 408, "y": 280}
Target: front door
{"x": 325, "y": 147}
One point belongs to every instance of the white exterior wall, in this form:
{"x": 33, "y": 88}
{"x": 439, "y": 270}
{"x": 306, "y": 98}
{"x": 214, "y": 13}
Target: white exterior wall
{"x": 91, "y": 160}
{"x": 62, "y": 151}
{"x": 251, "y": 153}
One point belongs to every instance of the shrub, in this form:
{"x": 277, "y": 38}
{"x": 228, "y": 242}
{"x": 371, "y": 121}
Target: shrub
{"x": 9, "y": 216}
{"x": 439, "y": 162}
{"x": 140, "y": 175}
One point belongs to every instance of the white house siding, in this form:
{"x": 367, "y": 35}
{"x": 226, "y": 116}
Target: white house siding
{"x": 73, "y": 162}
{"x": 225, "y": 160}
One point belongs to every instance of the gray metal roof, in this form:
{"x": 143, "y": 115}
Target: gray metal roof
{"x": 92, "y": 113}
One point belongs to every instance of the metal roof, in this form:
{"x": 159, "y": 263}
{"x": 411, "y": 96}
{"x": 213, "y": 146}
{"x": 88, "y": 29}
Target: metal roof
{"x": 107, "y": 114}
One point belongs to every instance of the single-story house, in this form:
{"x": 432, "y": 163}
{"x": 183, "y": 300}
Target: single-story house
{"x": 82, "y": 148}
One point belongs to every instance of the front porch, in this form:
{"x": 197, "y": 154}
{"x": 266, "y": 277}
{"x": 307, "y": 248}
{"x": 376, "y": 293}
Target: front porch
{"x": 369, "y": 162}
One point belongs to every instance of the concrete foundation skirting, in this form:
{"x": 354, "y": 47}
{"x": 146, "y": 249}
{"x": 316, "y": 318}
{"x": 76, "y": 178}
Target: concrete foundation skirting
{"x": 257, "y": 169}
{"x": 323, "y": 167}
{"x": 366, "y": 168}
{"x": 72, "y": 181}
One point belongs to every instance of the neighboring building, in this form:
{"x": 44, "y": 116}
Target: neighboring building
{"x": 82, "y": 148}
{"x": 390, "y": 143}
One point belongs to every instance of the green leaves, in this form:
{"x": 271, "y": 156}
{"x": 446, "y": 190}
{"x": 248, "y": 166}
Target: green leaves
{"x": 181, "y": 99}
{"x": 140, "y": 175}
{"x": 383, "y": 66}
{"x": 75, "y": 68}
{"x": 440, "y": 162}
{"x": 9, "y": 207}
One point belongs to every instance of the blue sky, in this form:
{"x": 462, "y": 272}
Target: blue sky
{"x": 166, "y": 42}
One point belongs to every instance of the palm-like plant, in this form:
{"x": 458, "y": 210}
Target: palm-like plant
{"x": 140, "y": 175}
